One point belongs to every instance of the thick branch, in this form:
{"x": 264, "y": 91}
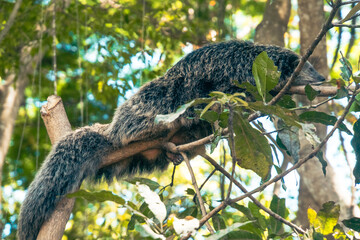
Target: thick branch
{"x": 57, "y": 125}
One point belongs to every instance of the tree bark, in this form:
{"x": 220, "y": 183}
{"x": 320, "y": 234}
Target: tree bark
{"x": 57, "y": 125}
{"x": 11, "y": 98}
{"x": 315, "y": 188}
{"x": 273, "y": 26}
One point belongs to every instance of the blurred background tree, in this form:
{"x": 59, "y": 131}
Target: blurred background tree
{"x": 105, "y": 50}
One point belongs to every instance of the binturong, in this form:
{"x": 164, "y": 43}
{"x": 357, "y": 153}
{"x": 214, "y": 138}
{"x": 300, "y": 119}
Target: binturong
{"x": 78, "y": 155}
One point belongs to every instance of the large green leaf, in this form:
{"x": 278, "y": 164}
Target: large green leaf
{"x": 278, "y": 206}
{"x": 355, "y": 143}
{"x": 311, "y": 93}
{"x": 265, "y": 74}
{"x": 251, "y": 147}
{"x": 321, "y": 117}
{"x": 99, "y": 196}
{"x": 168, "y": 118}
{"x": 353, "y": 223}
{"x": 289, "y": 117}
{"x": 152, "y": 184}
{"x": 325, "y": 220}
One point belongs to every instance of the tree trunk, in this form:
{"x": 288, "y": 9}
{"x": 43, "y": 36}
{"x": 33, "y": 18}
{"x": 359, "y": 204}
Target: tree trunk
{"x": 11, "y": 97}
{"x": 315, "y": 188}
{"x": 272, "y": 28}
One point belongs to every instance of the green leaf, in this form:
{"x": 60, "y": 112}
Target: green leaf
{"x": 220, "y": 234}
{"x": 207, "y": 108}
{"x": 246, "y": 211}
{"x": 356, "y": 77}
{"x": 326, "y": 219}
{"x": 244, "y": 234}
{"x": 311, "y": 93}
{"x": 321, "y": 117}
{"x": 355, "y": 143}
{"x": 152, "y": 184}
{"x": 318, "y": 236}
{"x": 249, "y": 88}
{"x": 190, "y": 211}
{"x": 355, "y": 107}
{"x": 323, "y": 162}
{"x": 100, "y": 196}
{"x": 277, "y": 205}
{"x": 346, "y": 69}
{"x": 289, "y": 138}
{"x": 255, "y": 211}
{"x": 353, "y": 223}
{"x": 265, "y": 74}
{"x": 224, "y": 119}
{"x": 251, "y": 147}
{"x": 328, "y": 216}
{"x": 216, "y": 140}
{"x": 289, "y": 116}
{"x": 286, "y": 102}
{"x": 190, "y": 191}
{"x": 210, "y": 116}
{"x": 168, "y": 118}
{"x": 341, "y": 93}
{"x": 218, "y": 222}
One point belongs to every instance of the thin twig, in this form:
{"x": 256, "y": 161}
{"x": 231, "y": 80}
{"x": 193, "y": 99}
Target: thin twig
{"x": 346, "y": 25}
{"x": 193, "y": 180}
{"x": 314, "y": 106}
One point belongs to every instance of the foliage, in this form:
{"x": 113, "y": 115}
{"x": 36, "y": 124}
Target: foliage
{"x": 107, "y": 49}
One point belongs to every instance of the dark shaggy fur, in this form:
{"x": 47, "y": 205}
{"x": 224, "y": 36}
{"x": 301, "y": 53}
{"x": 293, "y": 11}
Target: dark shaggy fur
{"x": 78, "y": 155}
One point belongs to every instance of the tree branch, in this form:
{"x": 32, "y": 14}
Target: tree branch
{"x": 11, "y": 20}
{"x": 57, "y": 125}
{"x": 243, "y": 189}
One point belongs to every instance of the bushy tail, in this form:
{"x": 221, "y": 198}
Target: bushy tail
{"x": 72, "y": 159}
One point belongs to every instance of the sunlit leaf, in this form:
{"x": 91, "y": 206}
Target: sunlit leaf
{"x": 289, "y": 117}
{"x": 168, "y": 118}
{"x": 325, "y": 220}
{"x": 265, "y": 74}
